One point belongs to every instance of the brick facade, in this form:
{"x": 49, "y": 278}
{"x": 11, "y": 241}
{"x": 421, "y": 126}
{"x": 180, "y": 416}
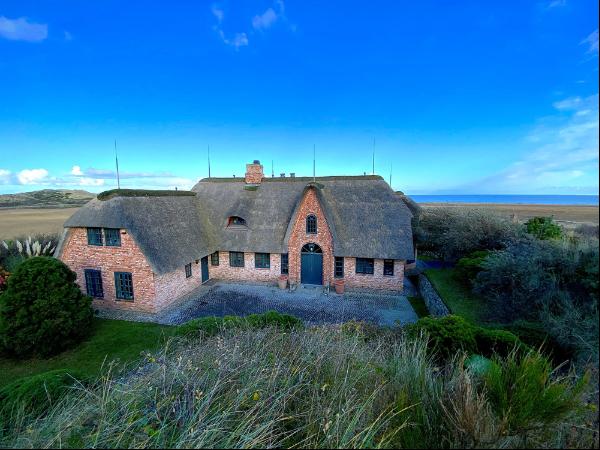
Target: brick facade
{"x": 376, "y": 281}
{"x": 170, "y": 286}
{"x": 78, "y": 255}
{"x": 247, "y": 273}
{"x": 298, "y": 237}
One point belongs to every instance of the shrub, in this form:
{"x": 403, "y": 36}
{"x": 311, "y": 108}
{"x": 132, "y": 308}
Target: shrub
{"x": 210, "y": 326}
{"x": 451, "y": 334}
{"x": 42, "y": 311}
{"x": 448, "y": 335}
{"x": 524, "y": 394}
{"x": 37, "y": 393}
{"x": 543, "y": 228}
{"x": 455, "y": 232}
{"x": 469, "y": 266}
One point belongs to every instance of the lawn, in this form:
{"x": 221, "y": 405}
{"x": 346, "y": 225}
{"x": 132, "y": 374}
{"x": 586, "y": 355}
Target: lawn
{"x": 110, "y": 340}
{"x": 458, "y": 297}
{"x": 419, "y": 306}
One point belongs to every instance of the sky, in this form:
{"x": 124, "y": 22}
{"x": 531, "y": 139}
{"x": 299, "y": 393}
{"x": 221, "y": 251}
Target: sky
{"x": 452, "y": 97}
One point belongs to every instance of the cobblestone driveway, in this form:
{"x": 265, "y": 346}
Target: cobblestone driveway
{"x": 310, "y": 304}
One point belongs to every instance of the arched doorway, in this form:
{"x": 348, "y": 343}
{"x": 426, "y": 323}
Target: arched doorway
{"x": 311, "y": 270}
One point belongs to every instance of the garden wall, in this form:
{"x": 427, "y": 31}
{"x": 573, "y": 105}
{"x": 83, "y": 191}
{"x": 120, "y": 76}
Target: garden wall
{"x": 432, "y": 299}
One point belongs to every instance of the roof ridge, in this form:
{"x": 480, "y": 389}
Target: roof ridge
{"x": 292, "y": 179}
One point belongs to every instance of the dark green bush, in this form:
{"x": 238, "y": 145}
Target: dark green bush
{"x": 523, "y": 392}
{"x": 211, "y": 325}
{"x": 469, "y": 266}
{"x": 450, "y": 334}
{"x": 42, "y": 311}
{"x": 543, "y": 228}
{"x": 36, "y": 393}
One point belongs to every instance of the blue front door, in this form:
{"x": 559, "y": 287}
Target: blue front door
{"x": 204, "y": 268}
{"x": 311, "y": 270}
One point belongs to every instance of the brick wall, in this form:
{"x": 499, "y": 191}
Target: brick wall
{"x": 170, "y": 286}
{"x": 78, "y": 255}
{"x": 247, "y": 273}
{"x": 298, "y": 237}
{"x": 254, "y": 173}
{"x": 376, "y": 281}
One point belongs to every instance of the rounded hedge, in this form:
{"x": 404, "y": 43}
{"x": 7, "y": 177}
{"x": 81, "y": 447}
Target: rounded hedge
{"x": 42, "y": 311}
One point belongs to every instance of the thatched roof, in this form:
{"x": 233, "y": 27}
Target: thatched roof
{"x": 170, "y": 230}
{"x": 366, "y": 217}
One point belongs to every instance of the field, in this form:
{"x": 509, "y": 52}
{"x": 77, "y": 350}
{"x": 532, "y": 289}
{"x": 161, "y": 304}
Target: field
{"x": 16, "y": 222}
{"x": 568, "y": 215}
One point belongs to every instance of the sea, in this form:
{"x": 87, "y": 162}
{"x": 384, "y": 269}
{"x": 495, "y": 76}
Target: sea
{"x": 511, "y": 199}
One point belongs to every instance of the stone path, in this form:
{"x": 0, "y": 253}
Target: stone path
{"x": 311, "y": 304}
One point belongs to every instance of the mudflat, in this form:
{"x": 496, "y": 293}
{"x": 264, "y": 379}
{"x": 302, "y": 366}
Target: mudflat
{"x": 16, "y": 222}
{"x": 566, "y": 214}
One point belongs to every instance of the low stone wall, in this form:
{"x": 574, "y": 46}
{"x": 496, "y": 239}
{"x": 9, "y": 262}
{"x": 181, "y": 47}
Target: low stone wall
{"x": 432, "y": 299}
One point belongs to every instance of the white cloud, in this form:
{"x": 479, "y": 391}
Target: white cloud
{"x": 264, "y": 20}
{"x": 32, "y": 176}
{"x": 557, "y": 3}
{"x": 564, "y": 153}
{"x": 218, "y": 13}
{"x": 76, "y": 170}
{"x": 22, "y": 30}
{"x": 592, "y": 42}
{"x": 5, "y": 176}
{"x": 85, "y": 181}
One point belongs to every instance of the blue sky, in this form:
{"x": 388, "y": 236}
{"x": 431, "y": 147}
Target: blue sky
{"x": 460, "y": 96}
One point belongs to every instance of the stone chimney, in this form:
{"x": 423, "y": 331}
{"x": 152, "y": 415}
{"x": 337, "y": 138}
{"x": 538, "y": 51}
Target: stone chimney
{"x": 254, "y": 172}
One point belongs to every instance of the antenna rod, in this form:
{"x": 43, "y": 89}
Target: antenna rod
{"x": 208, "y": 153}
{"x": 272, "y": 170}
{"x": 314, "y": 163}
{"x": 373, "y": 156}
{"x": 117, "y": 163}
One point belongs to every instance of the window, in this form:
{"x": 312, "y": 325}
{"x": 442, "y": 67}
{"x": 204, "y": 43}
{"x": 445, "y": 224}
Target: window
{"x": 262, "y": 260}
{"x": 284, "y": 264}
{"x": 93, "y": 283}
{"x": 112, "y": 237}
{"x": 388, "y": 267}
{"x": 188, "y": 270}
{"x": 214, "y": 259}
{"x": 94, "y": 236}
{"x": 311, "y": 224}
{"x": 364, "y": 265}
{"x": 339, "y": 267}
{"x": 124, "y": 286}
{"x": 236, "y": 259}
{"x": 236, "y": 221}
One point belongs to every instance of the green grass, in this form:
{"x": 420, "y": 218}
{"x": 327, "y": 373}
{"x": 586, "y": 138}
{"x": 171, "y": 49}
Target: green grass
{"x": 458, "y": 297}
{"x": 110, "y": 340}
{"x": 419, "y": 306}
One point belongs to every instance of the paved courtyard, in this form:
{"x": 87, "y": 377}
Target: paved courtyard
{"x": 311, "y": 304}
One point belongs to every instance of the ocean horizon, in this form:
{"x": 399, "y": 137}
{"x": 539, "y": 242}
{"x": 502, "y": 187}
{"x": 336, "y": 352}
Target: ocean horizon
{"x": 509, "y": 198}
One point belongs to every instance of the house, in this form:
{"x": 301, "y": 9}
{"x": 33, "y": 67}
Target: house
{"x": 141, "y": 250}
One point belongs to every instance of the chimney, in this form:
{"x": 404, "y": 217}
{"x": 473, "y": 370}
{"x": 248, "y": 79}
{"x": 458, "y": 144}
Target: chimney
{"x": 254, "y": 172}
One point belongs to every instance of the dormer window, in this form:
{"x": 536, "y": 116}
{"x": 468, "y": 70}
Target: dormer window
{"x": 236, "y": 221}
{"x": 311, "y": 224}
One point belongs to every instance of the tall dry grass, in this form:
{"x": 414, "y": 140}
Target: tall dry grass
{"x": 316, "y": 388}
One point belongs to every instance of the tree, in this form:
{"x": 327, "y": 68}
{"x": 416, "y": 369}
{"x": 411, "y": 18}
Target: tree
{"x": 543, "y": 228}
{"x": 43, "y": 310}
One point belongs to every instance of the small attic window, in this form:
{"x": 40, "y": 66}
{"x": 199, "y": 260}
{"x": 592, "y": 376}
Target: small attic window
{"x": 236, "y": 221}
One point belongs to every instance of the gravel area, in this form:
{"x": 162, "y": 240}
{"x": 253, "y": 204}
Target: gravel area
{"x": 311, "y": 304}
